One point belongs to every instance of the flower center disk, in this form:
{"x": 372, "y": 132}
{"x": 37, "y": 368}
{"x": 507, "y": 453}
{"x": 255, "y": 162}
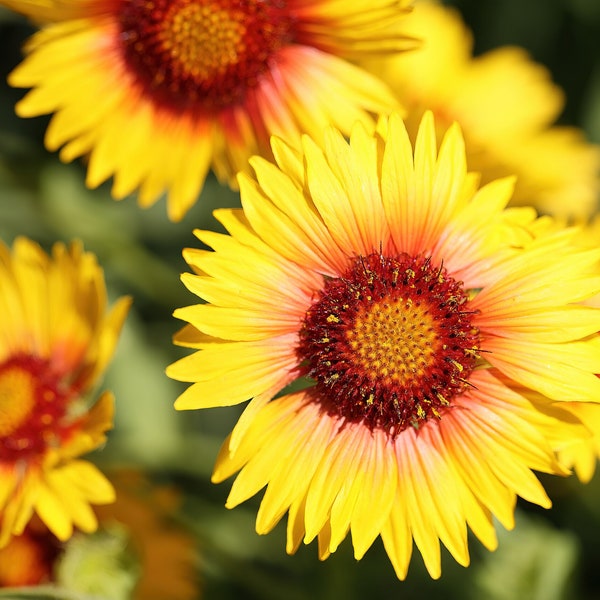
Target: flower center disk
{"x": 390, "y": 343}
{"x": 33, "y": 409}
{"x": 201, "y": 54}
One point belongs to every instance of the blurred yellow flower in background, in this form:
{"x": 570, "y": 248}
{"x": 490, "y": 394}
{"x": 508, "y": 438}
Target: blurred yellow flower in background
{"x": 506, "y": 105}
{"x": 56, "y": 339}
{"x": 409, "y": 309}
{"x": 156, "y": 102}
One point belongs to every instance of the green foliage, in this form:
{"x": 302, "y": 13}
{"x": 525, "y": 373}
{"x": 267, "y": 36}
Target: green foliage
{"x": 534, "y": 562}
{"x": 99, "y": 565}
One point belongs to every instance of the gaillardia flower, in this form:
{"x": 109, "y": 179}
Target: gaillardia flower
{"x": 409, "y": 309}
{"x": 56, "y": 339}
{"x": 175, "y": 87}
{"x": 506, "y": 105}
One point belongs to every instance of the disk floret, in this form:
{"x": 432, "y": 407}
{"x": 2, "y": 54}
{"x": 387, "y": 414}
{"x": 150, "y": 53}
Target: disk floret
{"x": 201, "y": 53}
{"x": 34, "y": 406}
{"x": 390, "y": 342}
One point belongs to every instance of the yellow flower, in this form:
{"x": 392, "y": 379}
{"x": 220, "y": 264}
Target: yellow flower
{"x": 412, "y": 307}
{"x": 56, "y": 339}
{"x": 175, "y": 87}
{"x": 506, "y": 105}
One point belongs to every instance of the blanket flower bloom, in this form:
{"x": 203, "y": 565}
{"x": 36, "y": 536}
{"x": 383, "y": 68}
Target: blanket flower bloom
{"x": 506, "y": 105}
{"x": 56, "y": 339}
{"x": 409, "y": 309}
{"x": 175, "y": 87}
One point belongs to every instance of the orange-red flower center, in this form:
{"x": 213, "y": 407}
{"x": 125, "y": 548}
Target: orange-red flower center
{"x": 33, "y": 408}
{"x": 389, "y": 343}
{"x": 190, "y": 54}
{"x": 28, "y": 559}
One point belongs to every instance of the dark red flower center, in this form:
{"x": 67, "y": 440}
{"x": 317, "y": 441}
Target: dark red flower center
{"x": 34, "y": 406}
{"x": 390, "y": 343}
{"x": 206, "y": 54}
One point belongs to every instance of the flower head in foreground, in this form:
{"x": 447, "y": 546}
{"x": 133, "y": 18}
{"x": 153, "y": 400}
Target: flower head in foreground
{"x": 416, "y": 308}
{"x": 175, "y": 87}
{"x": 505, "y": 104}
{"x": 56, "y": 339}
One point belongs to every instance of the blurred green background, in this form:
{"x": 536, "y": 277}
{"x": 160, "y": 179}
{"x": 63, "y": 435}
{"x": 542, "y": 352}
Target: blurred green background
{"x": 551, "y": 555}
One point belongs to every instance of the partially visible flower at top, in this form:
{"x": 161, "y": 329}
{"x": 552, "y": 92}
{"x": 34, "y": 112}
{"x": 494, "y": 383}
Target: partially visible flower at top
{"x": 138, "y": 553}
{"x": 175, "y": 87}
{"x": 506, "y": 105}
{"x": 56, "y": 339}
{"x": 414, "y": 314}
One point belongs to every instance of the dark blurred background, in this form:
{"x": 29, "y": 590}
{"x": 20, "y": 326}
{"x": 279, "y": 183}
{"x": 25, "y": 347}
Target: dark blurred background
{"x": 551, "y": 555}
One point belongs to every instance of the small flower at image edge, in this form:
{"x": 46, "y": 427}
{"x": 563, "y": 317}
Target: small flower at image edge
{"x": 581, "y": 454}
{"x": 415, "y": 309}
{"x": 139, "y": 551}
{"x": 165, "y": 102}
{"x": 28, "y": 558}
{"x": 56, "y": 339}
